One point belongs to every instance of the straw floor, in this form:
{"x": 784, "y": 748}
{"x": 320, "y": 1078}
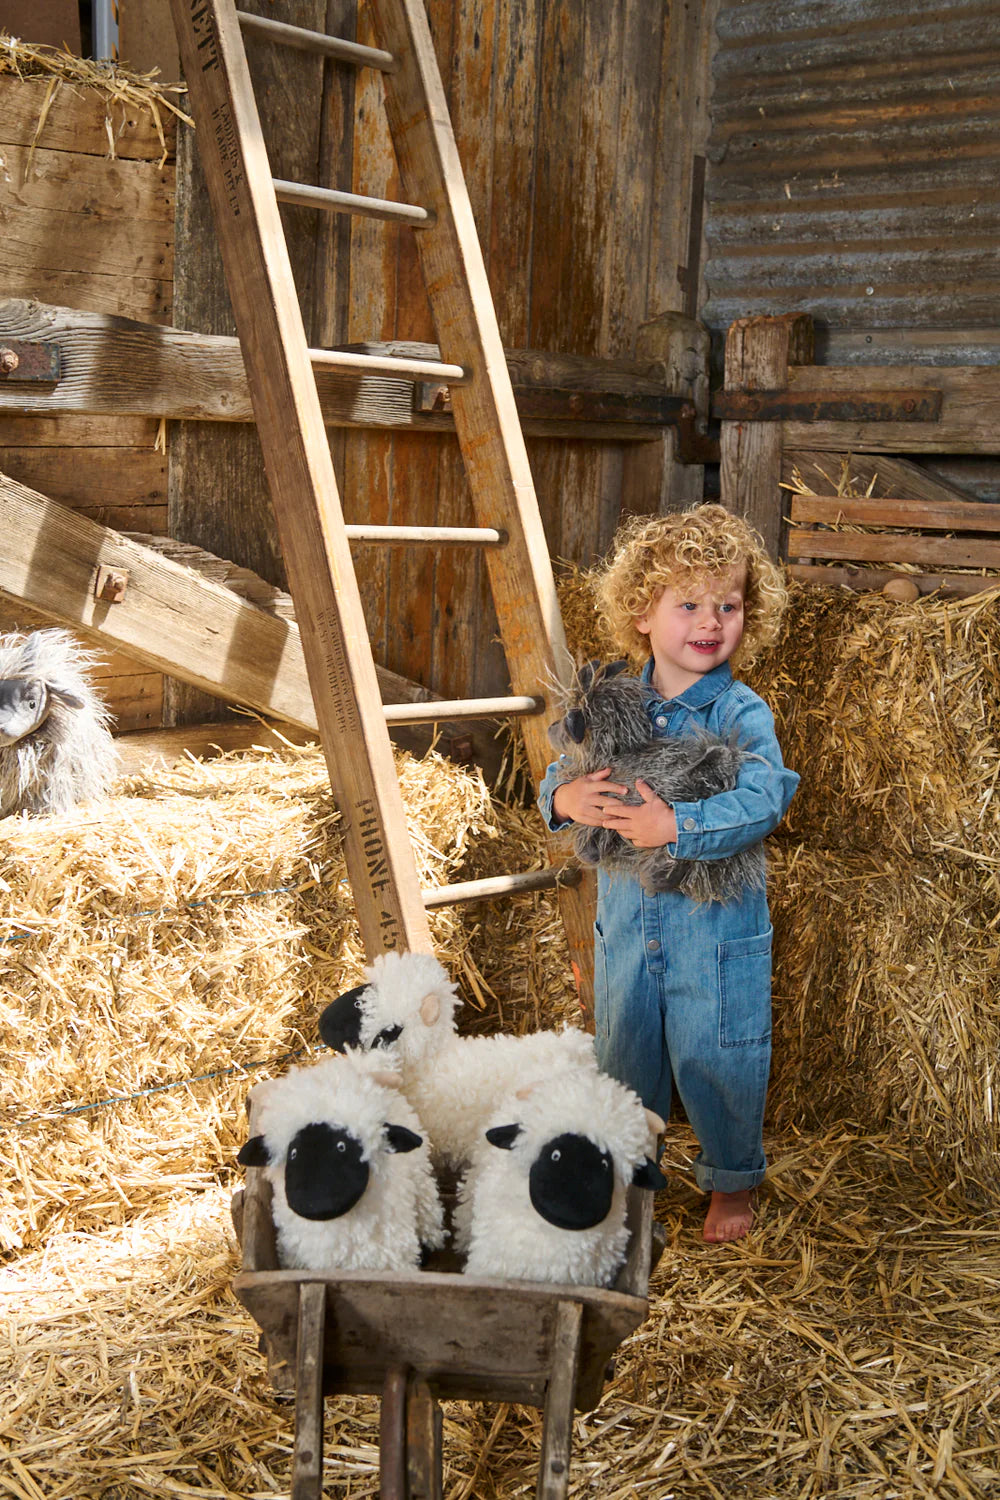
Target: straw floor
{"x": 163, "y": 954}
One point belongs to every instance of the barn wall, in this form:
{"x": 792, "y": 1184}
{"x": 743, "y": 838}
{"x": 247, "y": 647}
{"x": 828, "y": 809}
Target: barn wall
{"x": 852, "y": 156}
{"x": 567, "y": 121}
{"x": 83, "y": 231}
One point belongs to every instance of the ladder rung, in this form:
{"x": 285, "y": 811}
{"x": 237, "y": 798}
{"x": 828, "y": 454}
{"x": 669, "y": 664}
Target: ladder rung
{"x": 386, "y": 364}
{"x": 502, "y": 885}
{"x": 317, "y": 41}
{"x": 391, "y": 536}
{"x": 310, "y": 196}
{"x": 461, "y": 708}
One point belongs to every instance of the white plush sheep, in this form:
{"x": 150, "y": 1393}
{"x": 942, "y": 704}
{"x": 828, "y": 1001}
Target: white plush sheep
{"x": 407, "y": 1007}
{"x": 56, "y": 747}
{"x": 545, "y": 1199}
{"x": 350, "y": 1172}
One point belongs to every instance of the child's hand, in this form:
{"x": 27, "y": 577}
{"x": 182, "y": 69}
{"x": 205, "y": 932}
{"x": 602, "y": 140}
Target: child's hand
{"x": 587, "y": 799}
{"x": 647, "y": 827}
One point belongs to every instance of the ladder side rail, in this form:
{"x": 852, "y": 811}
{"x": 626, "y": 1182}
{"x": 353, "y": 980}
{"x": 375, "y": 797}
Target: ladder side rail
{"x": 335, "y": 643}
{"x": 486, "y": 418}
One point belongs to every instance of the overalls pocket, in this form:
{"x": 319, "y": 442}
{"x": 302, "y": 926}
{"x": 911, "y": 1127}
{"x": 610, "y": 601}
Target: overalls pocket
{"x": 602, "y": 1019}
{"x": 745, "y": 990}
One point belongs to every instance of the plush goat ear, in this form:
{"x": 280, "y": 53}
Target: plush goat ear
{"x": 585, "y": 674}
{"x": 616, "y": 667}
{"x": 503, "y": 1136}
{"x": 575, "y": 725}
{"x": 648, "y": 1175}
{"x": 399, "y": 1138}
{"x": 430, "y": 1008}
{"x": 64, "y": 696}
{"x": 254, "y": 1153}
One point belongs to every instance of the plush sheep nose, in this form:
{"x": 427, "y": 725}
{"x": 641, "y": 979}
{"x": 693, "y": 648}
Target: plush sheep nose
{"x": 340, "y": 1022}
{"x": 571, "y": 1182}
{"x": 324, "y": 1172}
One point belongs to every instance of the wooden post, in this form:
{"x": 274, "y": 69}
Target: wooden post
{"x": 654, "y": 481}
{"x": 307, "y": 1472}
{"x": 557, "y": 1423}
{"x": 392, "y": 1435}
{"x": 424, "y": 1425}
{"x": 758, "y": 354}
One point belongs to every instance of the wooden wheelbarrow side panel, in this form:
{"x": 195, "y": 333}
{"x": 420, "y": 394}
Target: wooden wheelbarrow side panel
{"x": 473, "y": 1339}
{"x": 469, "y": 1338}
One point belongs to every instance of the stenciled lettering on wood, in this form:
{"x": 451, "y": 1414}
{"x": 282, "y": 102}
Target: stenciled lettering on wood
{"x": 203, "y": 26}
{"x": 223, "y": 123}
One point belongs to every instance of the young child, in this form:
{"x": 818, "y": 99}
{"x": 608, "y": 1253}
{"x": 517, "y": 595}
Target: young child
{"x": 681, "y": 988}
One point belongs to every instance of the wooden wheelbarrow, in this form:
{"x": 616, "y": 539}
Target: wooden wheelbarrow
{"x": 415, "y": 1339}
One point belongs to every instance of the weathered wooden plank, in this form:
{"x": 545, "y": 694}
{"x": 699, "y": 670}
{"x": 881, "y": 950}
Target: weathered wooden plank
{"x": 515, "y": 160}
{"x": 949, "y": 585}
{"x": 423, "y": 1441}
{"x": 307, "y": 1454}
{"x": 90, "y": 478}
{"x": 884, "y": 475}
{"x": 970, "y": 413}
{"x": 146, "y": 750}
{"x": 72, "y": 430}
{"x": 932, "y": 552}
{"x": 83, "y": 213}
{"x": 75, "y": 121}
{"x": 759, "y": 354}
{"x": 955, "y": 515}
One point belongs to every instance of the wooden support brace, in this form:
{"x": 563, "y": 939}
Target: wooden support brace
{"x": 424, "y": 1426}
{"x": 392, "y": 1435}
{"x": 759, "y": 352}
{"x": 557, "y": 1422}
{"x": 307, "y": 1472}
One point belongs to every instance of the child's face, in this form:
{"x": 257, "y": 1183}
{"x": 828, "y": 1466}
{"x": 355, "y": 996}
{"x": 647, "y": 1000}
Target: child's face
{"x": 693, "y": 630}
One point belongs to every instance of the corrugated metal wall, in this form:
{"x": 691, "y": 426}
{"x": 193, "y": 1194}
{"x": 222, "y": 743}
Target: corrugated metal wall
{"x": 853, "y": 174}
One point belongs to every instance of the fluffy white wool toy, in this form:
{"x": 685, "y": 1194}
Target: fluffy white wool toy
{"x": 407, "y": 1010}
{"x": 56, "y": 746}
{"x": 546, "y": 1196}
{"x": 350, "y": 1172}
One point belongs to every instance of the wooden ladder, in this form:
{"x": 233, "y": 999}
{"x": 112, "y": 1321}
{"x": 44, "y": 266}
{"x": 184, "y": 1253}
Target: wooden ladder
{"x": 315, "y": 545}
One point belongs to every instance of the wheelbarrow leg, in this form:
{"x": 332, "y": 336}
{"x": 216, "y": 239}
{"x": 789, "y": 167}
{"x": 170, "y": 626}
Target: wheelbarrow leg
{"x": 307, "y": 1462}
{"x": 392, "y": 1435}
{"x": 423, "y": 1442}
{"x": 557, "y": 1423}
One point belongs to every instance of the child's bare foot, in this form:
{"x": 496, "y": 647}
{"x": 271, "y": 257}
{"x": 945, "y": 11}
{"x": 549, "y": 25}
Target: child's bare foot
{"x": 730, "y": 1217}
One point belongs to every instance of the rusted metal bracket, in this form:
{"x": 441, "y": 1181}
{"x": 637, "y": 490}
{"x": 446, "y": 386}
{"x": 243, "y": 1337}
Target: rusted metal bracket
{"x": 110, "y": 584}
{"x": 29, "y": 360}
{"x": 917, "y": 405}
{"x": 550, "y": 403}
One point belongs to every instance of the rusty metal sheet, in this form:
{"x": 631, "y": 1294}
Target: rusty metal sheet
{"x": 918, "y": 405}
{"x": 852, "y": 158}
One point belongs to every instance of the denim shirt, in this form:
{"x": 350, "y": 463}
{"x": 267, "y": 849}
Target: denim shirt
{"x": 710, "y": 829}
{"x": 730, "y": 821}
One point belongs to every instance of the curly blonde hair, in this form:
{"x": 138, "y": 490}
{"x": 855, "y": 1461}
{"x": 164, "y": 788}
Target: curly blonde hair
{"x": 686, "y": 550}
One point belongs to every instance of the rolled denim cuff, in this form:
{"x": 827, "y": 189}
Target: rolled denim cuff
{"x": 690, "y": 827}
{"x": 720, "y": 1180}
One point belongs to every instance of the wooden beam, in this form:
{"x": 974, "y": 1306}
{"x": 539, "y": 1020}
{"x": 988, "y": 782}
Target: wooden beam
{"x": 172, "y": 618}
{"x": 969, "y": 420}
{"x": 117, "y": 366}
{"x": 948, "y": 585}
{"x": 931, "y": 552}
{"x": 884, "y": 510}
{"x": 759, "y": 354}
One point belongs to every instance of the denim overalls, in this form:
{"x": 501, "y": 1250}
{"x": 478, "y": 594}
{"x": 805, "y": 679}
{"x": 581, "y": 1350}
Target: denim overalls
{"x": 684, "y": 988}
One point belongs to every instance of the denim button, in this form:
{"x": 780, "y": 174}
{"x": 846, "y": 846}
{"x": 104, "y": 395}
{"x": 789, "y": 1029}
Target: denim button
{"x": 689, "y": 825}
{"x": 653, "y": 945}
{"x": 661, "y": 721}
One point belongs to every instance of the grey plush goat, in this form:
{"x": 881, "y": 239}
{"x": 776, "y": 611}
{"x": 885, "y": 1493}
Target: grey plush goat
{"x": 606, "y": 723}
{"x": 56, "y": 747}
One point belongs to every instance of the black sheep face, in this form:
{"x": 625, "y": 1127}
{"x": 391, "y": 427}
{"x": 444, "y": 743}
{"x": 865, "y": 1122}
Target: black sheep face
{"x": 340, "y": 1022}
{"x": 571, "y": 1182}
{"x": 325, "y": 1172}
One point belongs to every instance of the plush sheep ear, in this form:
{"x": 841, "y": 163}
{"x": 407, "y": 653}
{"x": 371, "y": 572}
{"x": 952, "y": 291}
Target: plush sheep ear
{"x": 575, "y": 725}
{"x": 503, "y": 1136}
{"x": 648, "y": 1175}
{"x": 399, "y": 1138}
{"x": 655, "y": 1122}
{"x": 430, "y": 1008}
{"x": 63, "y": 696}
{"x": 388, "y": 1080}
{"x": 254, "y": 1153}
{"x": 528, "y": 1089}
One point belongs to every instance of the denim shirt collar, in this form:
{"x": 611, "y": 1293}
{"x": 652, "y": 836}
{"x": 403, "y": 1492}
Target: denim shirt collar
{"x": 700, "y": 693}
